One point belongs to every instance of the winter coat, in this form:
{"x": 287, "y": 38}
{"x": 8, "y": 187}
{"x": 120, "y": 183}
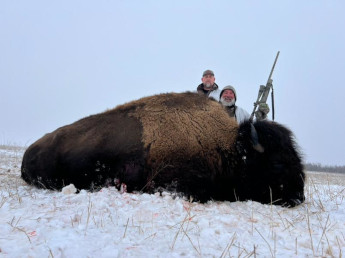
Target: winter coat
{"x": 240, "y": 114}
{"x": 214, "y": 92}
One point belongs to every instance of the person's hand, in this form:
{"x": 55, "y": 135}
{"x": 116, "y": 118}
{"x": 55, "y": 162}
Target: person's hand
{"x": 264, "y": 108}
{"x": 262, "y": 112}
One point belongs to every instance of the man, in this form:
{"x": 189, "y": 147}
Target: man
{"x": 228, "y": 99}
{"x": 208, "y": 87}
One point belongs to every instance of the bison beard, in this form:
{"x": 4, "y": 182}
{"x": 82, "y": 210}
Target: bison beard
{"x": 179, "y": 142}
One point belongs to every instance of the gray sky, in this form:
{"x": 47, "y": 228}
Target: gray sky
{"x": 61, "y": 61}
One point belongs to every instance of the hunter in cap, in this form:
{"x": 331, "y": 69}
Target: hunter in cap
{"x": 208, "y": 87}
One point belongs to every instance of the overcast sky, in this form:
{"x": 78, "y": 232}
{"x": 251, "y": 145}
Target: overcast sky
{"x": 63, "y": 60}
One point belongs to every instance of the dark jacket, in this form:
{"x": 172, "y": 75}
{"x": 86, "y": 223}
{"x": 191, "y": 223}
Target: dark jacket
{"x": 201, "y": 89}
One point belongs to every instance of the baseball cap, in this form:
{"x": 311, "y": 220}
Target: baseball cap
{"x": 208, "y": 72}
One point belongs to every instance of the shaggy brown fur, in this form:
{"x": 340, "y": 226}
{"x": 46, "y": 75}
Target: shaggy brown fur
{"x": 183, "y": 125}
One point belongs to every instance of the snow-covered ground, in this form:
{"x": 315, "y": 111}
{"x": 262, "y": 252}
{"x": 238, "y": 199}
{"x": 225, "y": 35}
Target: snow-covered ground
{"x": 42, "y": 223}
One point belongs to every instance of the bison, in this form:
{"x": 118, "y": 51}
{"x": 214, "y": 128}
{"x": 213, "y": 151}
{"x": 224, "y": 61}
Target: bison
{"x": 179, "y": 142}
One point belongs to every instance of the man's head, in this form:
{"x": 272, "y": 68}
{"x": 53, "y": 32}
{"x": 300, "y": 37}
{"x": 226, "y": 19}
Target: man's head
{"x": 228, "y": 96}
{"x": 208, "y": 79}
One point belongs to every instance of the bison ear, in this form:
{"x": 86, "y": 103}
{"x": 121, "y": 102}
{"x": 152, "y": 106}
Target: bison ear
{"x": 255, "y": 139}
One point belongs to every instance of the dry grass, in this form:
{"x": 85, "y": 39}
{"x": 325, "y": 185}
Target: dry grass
{"x": 329, "y": 178}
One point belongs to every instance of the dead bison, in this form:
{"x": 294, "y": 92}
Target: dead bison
{"x": 177, "y": 142}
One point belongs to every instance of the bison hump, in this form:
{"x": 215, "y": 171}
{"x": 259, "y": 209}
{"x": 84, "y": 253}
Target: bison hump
{"x": 183, "y": 125}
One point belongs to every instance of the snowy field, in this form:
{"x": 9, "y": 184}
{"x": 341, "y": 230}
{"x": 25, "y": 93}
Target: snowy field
{"x": 42, "y": 223}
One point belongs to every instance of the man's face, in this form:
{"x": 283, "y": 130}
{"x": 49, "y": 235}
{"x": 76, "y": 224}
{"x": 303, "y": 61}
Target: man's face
{"x": 228, "y": 95}
{"x": 208, "y": 80}
{"x": 228, "y": 98}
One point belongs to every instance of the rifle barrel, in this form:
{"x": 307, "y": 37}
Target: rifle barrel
{"x": 274, "y": 64}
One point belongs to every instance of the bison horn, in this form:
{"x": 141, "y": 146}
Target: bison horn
{"x": 255, "y": 139}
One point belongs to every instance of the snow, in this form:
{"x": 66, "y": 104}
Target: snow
{"x": 43, "y": 223}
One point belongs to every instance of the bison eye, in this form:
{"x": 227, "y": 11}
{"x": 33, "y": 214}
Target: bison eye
{"x": 281, "y": 187}
{"x": 244, "y": 157}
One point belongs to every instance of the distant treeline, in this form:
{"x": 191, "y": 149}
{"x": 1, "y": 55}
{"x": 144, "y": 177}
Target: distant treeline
{"x": 322, "y": 168}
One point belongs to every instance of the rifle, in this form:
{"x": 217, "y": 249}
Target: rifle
{"x": 264, "y": 91}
